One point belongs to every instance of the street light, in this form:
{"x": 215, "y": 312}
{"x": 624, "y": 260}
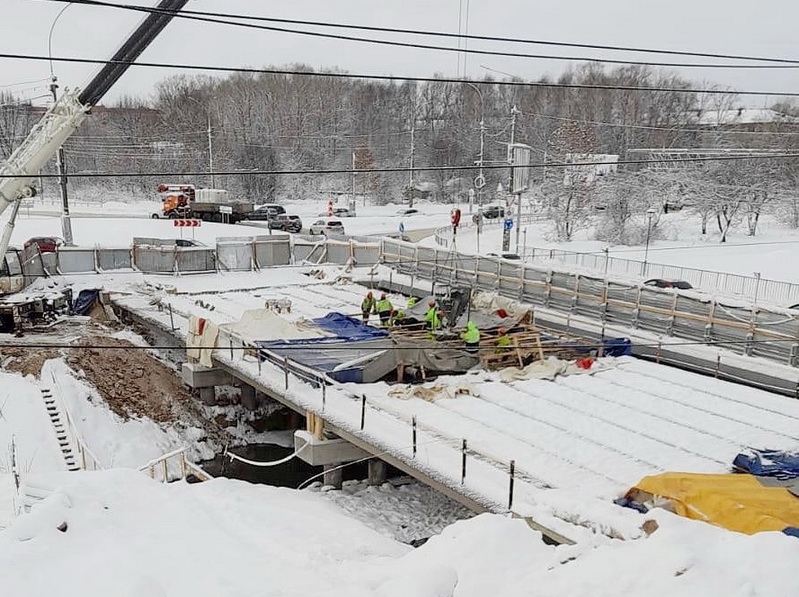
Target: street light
{"x": 60, "y": 160}
{"x": 210, "y": 140}
{"x": 649, "y": 215}
{"x": 480, "y": 181}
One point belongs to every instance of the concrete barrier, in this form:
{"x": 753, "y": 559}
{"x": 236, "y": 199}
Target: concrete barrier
{"x": 76, "y": 260}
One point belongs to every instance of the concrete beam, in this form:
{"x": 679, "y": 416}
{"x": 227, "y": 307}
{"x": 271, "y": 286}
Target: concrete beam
{"x": 321, "y": 452}
{"x": 197, "y": 376}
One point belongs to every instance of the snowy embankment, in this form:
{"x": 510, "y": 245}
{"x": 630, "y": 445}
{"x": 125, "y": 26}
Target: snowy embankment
{"x": 128, "y": 536}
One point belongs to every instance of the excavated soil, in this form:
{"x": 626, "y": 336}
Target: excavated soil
{"x": 132, "y": 382}
{"x": 26, "y": 360}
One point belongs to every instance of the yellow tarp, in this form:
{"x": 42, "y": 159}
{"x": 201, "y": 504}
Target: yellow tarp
{"x": 736, "y": 502}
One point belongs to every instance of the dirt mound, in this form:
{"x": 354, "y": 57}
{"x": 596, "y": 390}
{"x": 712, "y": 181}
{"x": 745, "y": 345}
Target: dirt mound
{"x": 27, "y": 361}
{"x": 132, "y": 382}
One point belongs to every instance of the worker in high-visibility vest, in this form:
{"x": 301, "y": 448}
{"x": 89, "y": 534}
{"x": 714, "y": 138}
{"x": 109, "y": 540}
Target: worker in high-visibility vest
{"x": 471, "y": 338}
{"x": 368, "y": 306}
{"x": 384, "y": 310}
{"x": 432, "y": 318}
{"x": 503, "y": 341}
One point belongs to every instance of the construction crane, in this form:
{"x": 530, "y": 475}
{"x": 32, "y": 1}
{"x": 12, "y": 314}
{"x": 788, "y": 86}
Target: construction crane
{"x": 18, "y": 174}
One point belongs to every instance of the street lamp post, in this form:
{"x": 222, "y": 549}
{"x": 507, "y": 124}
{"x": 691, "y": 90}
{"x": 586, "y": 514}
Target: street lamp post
{"x": 210, "y": 140}
{"x": 60, "y": 160}
{"x": 649, "y": 215}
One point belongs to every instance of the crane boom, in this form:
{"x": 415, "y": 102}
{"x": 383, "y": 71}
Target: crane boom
{"x": 68, "y": 113}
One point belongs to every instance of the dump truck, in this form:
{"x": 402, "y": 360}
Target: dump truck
{"x": 211, "y": 205}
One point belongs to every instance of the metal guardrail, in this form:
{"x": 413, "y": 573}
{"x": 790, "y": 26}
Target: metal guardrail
{"x": 749, "y": 287}
{"x": 753, "y": 331}
{"x": 159, "y": 468}
{"x": 443, "y": 235}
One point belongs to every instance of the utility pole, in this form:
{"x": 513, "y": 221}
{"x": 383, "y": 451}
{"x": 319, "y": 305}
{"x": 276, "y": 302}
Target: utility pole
{"x": 513, "y": 113}
{"x": 352, "y": 182}
{"x": 61, "y": 169}
{"x": 211, "y": 151}
{"x": 413, "y": 149}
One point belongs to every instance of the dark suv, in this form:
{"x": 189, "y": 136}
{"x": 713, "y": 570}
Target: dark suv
{"x": 286, "y": 223}
{"x": 493, "y": 211}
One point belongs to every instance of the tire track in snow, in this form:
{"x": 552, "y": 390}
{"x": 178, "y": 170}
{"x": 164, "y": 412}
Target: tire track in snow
{"x": 669, "y": 397}
{"x": 735, "y": 444}
{"x": 570, "y": 407}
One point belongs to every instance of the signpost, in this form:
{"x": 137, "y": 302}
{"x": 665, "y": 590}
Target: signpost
{"x": 507, "y": 225}
{"x": 226, "y": 211}
{"x": 187, "y": 224}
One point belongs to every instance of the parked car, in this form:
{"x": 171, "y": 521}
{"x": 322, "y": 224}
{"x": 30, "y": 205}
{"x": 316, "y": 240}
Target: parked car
{"x": 796, "y": 306}
{"x": 661, "y": 283}
{"x": 511, "y": 256}
{"x": 493, "y": 211}
{"x": 408, "y": 212}
{"x": 327, "y": 227}
{"x": 46, "y": 244}
{"x": 286, "y": 223}
{"x": 339, "y": 212}
{"x": 262, "y": 215}
{"x": 187, "y": 242}
{"x": 274, "y": 207}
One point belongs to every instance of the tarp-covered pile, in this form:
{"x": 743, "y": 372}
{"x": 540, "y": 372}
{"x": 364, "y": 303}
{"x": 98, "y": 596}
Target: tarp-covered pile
{"x": 768, "y": 463}
{"x": 349, "y": 346}
{"x": 736, "y": 502}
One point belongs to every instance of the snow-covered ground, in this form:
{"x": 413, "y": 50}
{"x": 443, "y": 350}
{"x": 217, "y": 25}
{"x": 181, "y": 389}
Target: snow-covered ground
{"x": 128, "y": 536}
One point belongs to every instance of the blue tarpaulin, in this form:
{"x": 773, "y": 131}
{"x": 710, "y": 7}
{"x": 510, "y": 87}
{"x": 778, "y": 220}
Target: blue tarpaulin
{"x": 768, "y": 463}
{"x": 85, "y": 301}
{"x": 348, "y": 328}
{"x": 617, "y": 347}
{"x": 351, "y": 340}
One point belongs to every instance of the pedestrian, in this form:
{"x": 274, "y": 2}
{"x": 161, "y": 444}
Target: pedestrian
{"x": 471, "y": 338}
{"x": 384, "y": 308}
{"x": 367, "y": 306}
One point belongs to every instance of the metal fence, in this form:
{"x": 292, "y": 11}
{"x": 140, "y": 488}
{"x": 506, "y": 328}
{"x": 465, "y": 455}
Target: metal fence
{"x": 752, "y": 331}
{"x": 750, "y": 287}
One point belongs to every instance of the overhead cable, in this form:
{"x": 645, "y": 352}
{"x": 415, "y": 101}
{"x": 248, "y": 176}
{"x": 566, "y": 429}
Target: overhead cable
{"x": 195, "y": 16}
{"x": 397, "y": 78}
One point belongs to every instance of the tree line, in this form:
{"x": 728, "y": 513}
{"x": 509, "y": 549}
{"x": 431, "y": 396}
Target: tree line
{"x": 269, "y": 122}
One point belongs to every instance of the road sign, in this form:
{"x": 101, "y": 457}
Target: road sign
{"x": 401, "y": 227}
{"x": 225, "y": 209}
{"x": 479, "y": 181}
{"x": 508, "y": 224}
{"x": 186, "y": 223}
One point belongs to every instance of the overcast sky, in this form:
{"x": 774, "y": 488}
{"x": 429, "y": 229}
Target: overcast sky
{"x": 764, "y": 28}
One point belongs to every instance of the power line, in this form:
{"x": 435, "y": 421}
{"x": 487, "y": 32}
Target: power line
{"x": 205, "y": 17}
{"x": 539, "y": 165}
{"x": 482, "y": 37}
{"x": 675, "y": 129}
{"x": 396, "y": 78}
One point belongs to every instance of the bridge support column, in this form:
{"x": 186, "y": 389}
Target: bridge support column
{"x": 377, "y": 472}
{"x": 207, "y": 395}
{"x": 249, "y": 400}
{"x": 333, "y": 476}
